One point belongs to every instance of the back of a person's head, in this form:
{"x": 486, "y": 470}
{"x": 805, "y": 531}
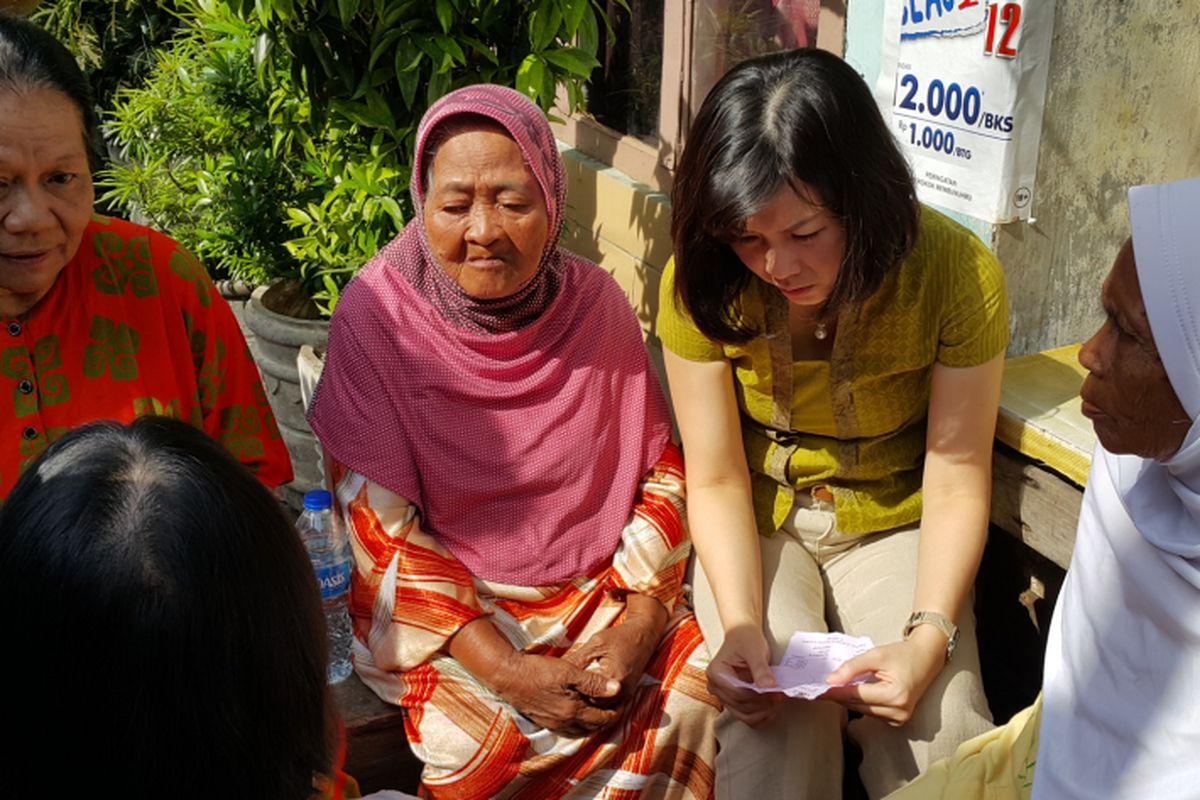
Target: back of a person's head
{"x": 167, "y": 636}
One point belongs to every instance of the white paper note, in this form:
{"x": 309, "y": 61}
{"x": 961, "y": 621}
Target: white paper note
{"x": 810, "y": 657}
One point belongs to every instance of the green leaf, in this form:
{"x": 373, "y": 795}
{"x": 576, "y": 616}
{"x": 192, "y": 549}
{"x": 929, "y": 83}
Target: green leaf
{"x": 379, "y": 110}
{"x": 429, "y": 47}
{"x": 588, "y": 34}
{"x": 408, "y": 56}
{"x": 573, "y": 60}
{"x": 407, "y": 76}
{"x": 298, "y": 216}
{"x": 445, "y": 14}
{"x": 300, "y": 246}
{"x": 347, "y": 9}
{"x": 385, "y": 43}
{"x": 547, "y": 91}
{"x": 530, "y": 76}
{"x": 572, "y": 12}
{"x": 262, "y": 50}
{"x": 393, "y": 209}
{"x": 321, "y": 51}
{"x": 479, "y": 47}
{"x": 543, "y": 24}
{"x": 451, "y": 48}
{"x": 357, "y": 112}
{"x": 439, "y": 84}
{"x": 394, "y": 13}
{"x": 574, "y": 97}
{"x": 284, "y": 10}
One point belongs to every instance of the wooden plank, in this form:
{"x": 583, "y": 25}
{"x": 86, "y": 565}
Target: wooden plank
{"x": 1039, "y": 411}
{"x": 377, "y": 751}
{"x": 1035, "y": 505}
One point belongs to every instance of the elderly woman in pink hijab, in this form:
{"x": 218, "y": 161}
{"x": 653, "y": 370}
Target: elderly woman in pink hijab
{"x": 499, "y": 450}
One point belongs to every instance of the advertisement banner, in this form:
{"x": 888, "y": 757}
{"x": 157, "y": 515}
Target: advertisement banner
{"x": 963, "y": 85}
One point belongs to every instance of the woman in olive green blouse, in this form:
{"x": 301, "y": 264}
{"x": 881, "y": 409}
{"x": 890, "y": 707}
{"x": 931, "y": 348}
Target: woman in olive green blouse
{"x": 834, "y": 352}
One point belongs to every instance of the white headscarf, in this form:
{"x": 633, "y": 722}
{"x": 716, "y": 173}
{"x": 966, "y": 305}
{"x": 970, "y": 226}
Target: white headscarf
{"x": 1164, "y": 499}
{"x": 1121, "y": 717}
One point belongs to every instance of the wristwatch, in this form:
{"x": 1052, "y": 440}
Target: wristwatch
{"x": 939, "y": 621}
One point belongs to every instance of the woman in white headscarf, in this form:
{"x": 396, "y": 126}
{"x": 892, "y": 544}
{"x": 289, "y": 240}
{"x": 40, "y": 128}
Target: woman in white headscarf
{"x": 1119, "y": 717}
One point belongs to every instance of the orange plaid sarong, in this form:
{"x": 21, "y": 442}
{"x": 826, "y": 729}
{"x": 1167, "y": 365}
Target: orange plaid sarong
{"x": 410, "y": 596}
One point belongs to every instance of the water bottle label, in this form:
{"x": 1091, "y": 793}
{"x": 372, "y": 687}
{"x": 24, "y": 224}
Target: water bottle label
{"x": 333, "y": 579}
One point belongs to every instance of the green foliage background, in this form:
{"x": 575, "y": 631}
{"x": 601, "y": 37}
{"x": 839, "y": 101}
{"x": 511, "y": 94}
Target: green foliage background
{"x": 274, "y": 137}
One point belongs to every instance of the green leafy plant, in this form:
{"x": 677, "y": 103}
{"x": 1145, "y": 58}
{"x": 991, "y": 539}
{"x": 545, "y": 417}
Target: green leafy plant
{"x": 381, "y": 63}
{"x": 357, "y": 215}
{"x": 199, "y": 156}
{"x": 114, "y": 40}
{"x": 274, "y": 137}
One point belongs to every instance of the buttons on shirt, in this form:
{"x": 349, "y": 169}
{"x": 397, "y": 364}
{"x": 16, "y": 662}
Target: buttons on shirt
{"x": 30, "y": 433}
{"x": 14, "y": 329}
{"x": 25, "y": 386}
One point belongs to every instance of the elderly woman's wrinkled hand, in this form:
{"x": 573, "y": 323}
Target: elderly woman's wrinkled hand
{"x": 556, "y": 694}
{"x": 622, "y": 651}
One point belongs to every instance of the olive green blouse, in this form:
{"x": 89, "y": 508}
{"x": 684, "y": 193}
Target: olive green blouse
{"x": 856, "y": 423}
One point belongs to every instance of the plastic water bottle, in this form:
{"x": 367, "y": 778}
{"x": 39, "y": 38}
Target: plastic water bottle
{"x": 330, "y": 556}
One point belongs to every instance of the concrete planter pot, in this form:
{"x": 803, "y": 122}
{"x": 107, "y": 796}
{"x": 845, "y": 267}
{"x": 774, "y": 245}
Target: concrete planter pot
{"x": 275, "y": 342}
{"x": 18, "y": 8}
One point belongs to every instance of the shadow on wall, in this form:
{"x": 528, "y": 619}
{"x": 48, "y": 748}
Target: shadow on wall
{"x": 1130, "y": 118}
{"x": 622, "y": 225}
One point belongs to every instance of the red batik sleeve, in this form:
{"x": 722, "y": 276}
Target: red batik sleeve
{"x": 233, "y": 405}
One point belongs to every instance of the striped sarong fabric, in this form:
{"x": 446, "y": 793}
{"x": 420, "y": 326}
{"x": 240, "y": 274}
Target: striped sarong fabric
{"x": 410, "y": 596}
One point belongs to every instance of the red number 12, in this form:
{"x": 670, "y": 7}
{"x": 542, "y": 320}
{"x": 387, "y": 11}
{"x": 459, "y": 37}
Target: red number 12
{"x": 1010, "y": 17}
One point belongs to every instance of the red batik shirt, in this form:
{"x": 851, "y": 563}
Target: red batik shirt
{"x": 133, "y": 325}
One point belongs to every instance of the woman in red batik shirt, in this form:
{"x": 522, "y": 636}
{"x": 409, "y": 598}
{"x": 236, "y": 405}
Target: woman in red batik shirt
{"x": 100, "y": 318}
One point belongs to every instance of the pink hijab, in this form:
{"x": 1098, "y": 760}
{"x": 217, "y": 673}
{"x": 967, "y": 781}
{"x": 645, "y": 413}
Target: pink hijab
{"x": 520, "y": 427}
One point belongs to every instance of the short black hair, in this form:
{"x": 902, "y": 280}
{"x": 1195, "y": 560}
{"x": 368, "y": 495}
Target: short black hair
{"x": 30, "y": 58}
{"x": 803, "y": 118}
{"x": 165, "y": 630}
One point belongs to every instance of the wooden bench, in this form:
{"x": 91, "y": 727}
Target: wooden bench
{"x": 1039, "y": 468}
{"x": 377, "y": 752}
{"x": 1043, "y": 454}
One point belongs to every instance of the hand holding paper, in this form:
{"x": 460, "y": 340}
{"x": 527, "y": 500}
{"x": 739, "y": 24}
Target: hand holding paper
{"x": 810, "y": 657}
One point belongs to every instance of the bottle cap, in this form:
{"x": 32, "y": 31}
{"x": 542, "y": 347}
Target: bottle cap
{"x": 317, "y": 500}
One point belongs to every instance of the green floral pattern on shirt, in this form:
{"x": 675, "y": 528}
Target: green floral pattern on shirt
{"x": 210, "y": 381}
{"x": 153, "y": 407}
{"x": 124, "y": 265}
{"x": 15, "y": 364}
{"x": 185, "y": 265}
{"x": 52, "y": 388}
{"x": 241, "y": 431}
{"x": 115, "y": 350}
{"x": 197, "y": 341}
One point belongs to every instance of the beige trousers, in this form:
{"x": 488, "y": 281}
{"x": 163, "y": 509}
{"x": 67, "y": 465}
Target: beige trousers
{"x": 815, "y": 579}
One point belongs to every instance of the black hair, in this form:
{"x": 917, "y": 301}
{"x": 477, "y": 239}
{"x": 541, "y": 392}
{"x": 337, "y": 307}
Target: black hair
{"x": 165, "y": 629}
{"x": 30, "y": 58}
{"x": 803, "y": 118}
